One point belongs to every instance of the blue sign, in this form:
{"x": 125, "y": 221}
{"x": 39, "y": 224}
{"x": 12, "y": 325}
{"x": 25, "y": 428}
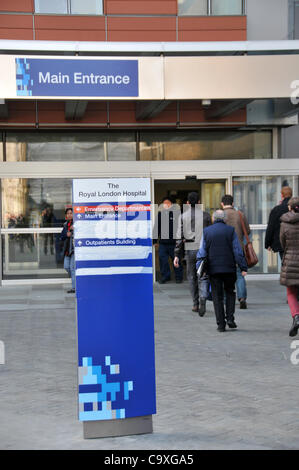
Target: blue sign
{"x": 114, "y": 288}
{"x": 81, "y": 77}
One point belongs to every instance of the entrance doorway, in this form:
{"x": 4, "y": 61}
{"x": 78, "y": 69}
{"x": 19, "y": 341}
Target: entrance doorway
{"x": 210, "y": 193}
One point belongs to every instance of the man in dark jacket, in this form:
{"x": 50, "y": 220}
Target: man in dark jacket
{"x": 165, "y": 230}
{"x": 67, "y": 236}
{"x": 272, "y": 242}
{"x": 191, "y": 225}
{"x": 221, "y": 247}
{"x": 233, "y": 218}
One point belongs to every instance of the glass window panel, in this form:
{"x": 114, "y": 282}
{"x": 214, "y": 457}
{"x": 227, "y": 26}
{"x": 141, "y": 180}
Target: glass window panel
{"x": 204, "y": 145}
{"x": 269, "y": 263}
{"x": 121, "y": 146}
{"x": 54, "y": 147}
{"x": 32, "y": 255}
{"x": 87, "y": 7}
{"x": 227, "y": 7}
{"x": 35, "y": 202}
{"x": 51, "y": 6}
{"x": 121, "y": 151}
{"x": 193, "y": 7}
{"x": 72, "y": 147}
{"x": 296, "y": 21}
{"x": 211, "y": 194}
{"x": 1, "y": 149}
{"x": 257, "y": 195}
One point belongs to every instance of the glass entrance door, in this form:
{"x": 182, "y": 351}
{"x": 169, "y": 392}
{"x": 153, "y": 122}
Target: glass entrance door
{"x": 32, "y": 220}
{"x": 210, "y": 191}
{"x": 211, "y": 194}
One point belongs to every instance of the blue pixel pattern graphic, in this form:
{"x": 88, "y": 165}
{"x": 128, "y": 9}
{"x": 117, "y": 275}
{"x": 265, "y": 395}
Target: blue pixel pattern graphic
{"x": 23, "y": 78}
{"x": 97, "y": 395}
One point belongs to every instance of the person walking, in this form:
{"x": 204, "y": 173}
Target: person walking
{"x": 289, "y": 276}
{"x": 48, "y": 220}
{"x": 191, "y": 225}
{"x": 165, "y": 230}
{"x": 233, "y": 218}
{"x": 272, "y": 238}
{"x": 67, "y": 236}
{"x": 221, "y": 248}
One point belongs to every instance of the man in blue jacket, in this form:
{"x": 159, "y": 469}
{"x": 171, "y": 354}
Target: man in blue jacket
{"x": 221, "y": 247}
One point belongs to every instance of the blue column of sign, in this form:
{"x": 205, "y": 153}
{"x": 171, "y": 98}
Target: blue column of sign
{"x": 114, "y": 287}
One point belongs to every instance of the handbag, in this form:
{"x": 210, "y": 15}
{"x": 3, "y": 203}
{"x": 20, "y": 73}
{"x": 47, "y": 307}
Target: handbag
{"x": 202, "y": 268}
{"x": 249, "y": 252}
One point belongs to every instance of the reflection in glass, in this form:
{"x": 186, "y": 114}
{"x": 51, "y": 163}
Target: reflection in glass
{"x": 54, "y": 147}
{"x": 193, "y": 7}
{"x": 227, "y": 7}
{"x": 269, "y": 263}
{"x": 257, "y": 195}
{"x": 205, "y": 145}
{"x": 70, "y": 147}
{"x": 35, "y": 202}
{"x": 211, "y": 195}
{"x": 121, "y": 151}
{"x": 86, "y": 7}
{"x": 24, "y": 255}
{"x": 51, "y": 6}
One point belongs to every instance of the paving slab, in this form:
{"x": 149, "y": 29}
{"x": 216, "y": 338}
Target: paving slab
{"x": 232, "y": 390}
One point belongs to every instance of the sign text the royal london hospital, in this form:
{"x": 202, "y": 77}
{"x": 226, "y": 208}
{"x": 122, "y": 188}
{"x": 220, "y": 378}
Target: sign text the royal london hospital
{"x": 114, "y": 288}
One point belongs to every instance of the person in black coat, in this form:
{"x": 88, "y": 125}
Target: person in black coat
{"x": 164, "y": 231}
{"x": 272, "y": 242}
{"x": 67, "y": 236}
{"x": 221, "y": 248}
{"x": 191, "y": 224}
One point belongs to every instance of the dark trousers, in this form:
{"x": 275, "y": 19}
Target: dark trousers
{"x": 166, "y": 251}
{"x": 199, "y": 288}
{"x": 220, "y": 283}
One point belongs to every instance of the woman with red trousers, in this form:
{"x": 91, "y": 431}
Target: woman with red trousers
{"x": 289, "y": 277}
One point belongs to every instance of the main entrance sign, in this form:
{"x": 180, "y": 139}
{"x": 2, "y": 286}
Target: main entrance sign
{"x": 85, "y": 78}
{"x": 114, "y": 288}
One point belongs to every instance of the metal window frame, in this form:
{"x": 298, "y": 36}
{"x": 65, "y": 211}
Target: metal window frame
{"x": 39, "y": 13}
{"x": 69, "y": 10}
{"x": 93, "y": 14}
{"x": 210, "y": 8}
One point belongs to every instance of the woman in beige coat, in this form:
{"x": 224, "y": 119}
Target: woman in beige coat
{"x": 289, "y": 276}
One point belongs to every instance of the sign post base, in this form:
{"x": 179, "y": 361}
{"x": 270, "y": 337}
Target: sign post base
{"x": 117, "y": 427}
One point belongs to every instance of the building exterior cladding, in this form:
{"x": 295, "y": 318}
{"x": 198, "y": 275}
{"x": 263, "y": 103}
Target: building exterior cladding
{"x": 134, "y": 20}
{"x": 239, "y": 146}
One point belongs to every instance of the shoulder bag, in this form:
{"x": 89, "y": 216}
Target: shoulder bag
{"x": 249, "y": 252}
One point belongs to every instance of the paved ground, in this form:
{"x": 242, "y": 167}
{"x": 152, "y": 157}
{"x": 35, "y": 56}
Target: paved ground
{"x": 233, "y": 390}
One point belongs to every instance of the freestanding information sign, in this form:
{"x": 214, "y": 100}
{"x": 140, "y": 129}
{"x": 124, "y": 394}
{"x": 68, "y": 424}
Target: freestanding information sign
{"x": 114, "y": 289}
